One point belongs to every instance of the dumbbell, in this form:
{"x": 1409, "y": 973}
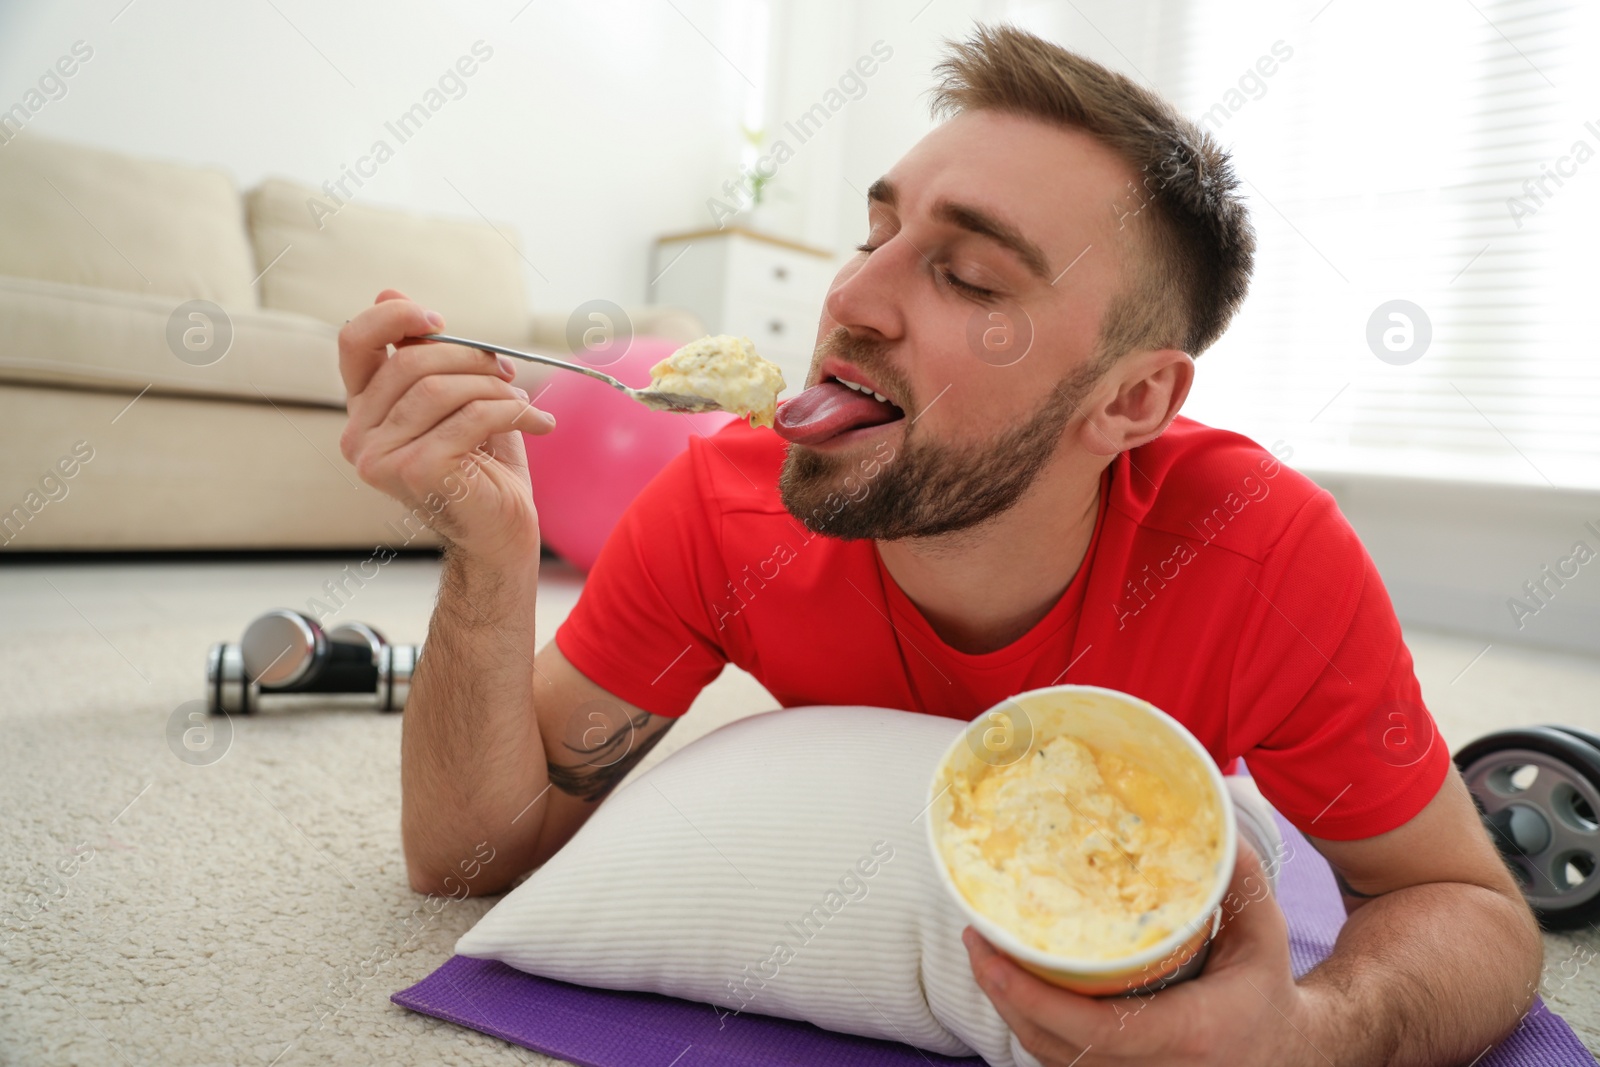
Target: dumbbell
{"x": 285, "y": 653}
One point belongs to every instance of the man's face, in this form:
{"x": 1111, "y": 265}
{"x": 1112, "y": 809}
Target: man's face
{"x": 993, "y": 249}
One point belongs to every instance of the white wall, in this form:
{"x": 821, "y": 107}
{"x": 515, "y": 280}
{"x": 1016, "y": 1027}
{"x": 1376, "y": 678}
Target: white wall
{"x": 594, "y": 126}
{"x": 1508, "y": 564}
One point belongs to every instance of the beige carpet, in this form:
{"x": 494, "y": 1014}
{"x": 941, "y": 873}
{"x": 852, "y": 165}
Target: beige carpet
{"x": 255, "y": 911}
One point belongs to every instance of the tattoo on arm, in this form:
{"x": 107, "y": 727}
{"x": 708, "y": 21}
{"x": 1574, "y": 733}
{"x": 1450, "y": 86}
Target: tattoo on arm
{"x": 608, "y": 759}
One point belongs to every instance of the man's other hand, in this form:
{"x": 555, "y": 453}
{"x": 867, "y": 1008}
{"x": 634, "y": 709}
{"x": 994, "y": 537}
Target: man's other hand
{"x": 1241, "y": 1010}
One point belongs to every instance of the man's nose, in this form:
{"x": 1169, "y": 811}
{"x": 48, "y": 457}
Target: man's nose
{"x": 868, "y": 296}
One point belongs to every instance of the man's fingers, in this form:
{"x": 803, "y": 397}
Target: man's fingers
{"x": 478, "y": 420}
{"x": 364, "y": 341}
{"x": 441, "y": 448}
{"x": 430, "y": 401}
{"x": 468, "y": 427}
{"x": 409, "y": 367}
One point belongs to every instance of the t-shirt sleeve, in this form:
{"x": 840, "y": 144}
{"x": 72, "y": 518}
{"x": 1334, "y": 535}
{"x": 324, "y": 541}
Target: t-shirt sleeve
{"x": 1325, "y": 704}
{"x": 641, "y": 629}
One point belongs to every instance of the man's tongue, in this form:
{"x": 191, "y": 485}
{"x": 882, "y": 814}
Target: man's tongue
{"x": 828, "y": 409}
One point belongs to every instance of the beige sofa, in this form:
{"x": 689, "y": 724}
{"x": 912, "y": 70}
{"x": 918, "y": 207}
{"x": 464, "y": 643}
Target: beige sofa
{"x": 120, "y": 427}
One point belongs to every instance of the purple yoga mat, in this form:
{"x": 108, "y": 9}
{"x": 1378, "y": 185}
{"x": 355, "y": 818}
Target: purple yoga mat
{"x": 606, "y": 1028}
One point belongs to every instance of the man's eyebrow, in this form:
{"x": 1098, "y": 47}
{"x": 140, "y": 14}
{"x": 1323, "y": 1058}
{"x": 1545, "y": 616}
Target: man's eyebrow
{"x": 975, "y": 221}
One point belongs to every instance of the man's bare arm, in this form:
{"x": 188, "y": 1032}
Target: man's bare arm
{"x": 470, "y": 753}
{"x": 481, "y": 742}
{"x": 1440, "y": 956}
{"x": 590, "y": 745}
{"x": 499, "y": 747}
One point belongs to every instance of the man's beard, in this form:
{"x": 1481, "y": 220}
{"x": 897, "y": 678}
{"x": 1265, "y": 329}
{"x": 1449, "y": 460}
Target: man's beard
{"x": 925, "y": 488}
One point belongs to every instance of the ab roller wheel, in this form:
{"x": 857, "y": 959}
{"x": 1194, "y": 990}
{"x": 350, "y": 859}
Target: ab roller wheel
{"x": 1538, "y": 790}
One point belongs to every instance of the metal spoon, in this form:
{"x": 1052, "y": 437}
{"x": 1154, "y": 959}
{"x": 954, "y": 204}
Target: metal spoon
{"x": 650, "y": 398}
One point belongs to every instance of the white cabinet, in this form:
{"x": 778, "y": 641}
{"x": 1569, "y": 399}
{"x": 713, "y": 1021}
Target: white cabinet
{"x": 746, "y": 283}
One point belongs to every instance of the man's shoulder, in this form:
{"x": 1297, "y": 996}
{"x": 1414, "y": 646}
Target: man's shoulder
{"x": 1202, "y": 483}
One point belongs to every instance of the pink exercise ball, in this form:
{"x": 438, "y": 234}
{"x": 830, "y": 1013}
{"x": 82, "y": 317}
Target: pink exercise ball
{"x": 604, "y": 450}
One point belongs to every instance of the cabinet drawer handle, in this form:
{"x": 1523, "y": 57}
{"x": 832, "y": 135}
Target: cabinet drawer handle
{"x": 781, "y": 273}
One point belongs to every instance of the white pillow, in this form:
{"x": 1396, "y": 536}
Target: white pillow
{"x": 777, "y": 865}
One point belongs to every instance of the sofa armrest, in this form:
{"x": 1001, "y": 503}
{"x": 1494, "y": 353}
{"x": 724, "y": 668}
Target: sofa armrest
{"x": 549, "y": 330}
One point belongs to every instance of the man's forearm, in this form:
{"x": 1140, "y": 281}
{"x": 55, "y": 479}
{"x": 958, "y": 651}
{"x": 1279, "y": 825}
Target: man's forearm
{"x": 470, "y": 752}
{"x": 1421, "y": 977}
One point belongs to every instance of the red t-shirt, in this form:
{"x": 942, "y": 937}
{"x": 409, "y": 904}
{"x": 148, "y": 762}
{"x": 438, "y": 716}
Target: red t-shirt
{"x": 1219, "y": 585}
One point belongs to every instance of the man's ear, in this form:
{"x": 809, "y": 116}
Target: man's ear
{"x": 1136, "y": 400}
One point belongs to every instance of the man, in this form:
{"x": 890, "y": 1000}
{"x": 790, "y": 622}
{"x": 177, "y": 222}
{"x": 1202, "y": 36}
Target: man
{"x": 1020, "y": 508}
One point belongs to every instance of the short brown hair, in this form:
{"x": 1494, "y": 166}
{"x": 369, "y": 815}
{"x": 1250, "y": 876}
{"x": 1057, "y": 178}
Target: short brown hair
{"x": 1200, "y": 245}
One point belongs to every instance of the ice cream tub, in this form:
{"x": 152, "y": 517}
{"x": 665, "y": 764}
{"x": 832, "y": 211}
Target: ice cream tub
{"x": 1087, "y": 835}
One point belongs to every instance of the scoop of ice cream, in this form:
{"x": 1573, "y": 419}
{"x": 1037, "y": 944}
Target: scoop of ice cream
{"x": 1079, "y": 854}
{"x": 727, "y": 370}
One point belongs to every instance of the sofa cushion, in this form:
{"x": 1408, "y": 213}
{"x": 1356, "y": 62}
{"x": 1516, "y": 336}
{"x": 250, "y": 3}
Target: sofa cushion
{"x": 91, "y": 217}
{"x": 91, "y": 338}
{"x": 167, "y": 472}
{"x": 335, "y": 264}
